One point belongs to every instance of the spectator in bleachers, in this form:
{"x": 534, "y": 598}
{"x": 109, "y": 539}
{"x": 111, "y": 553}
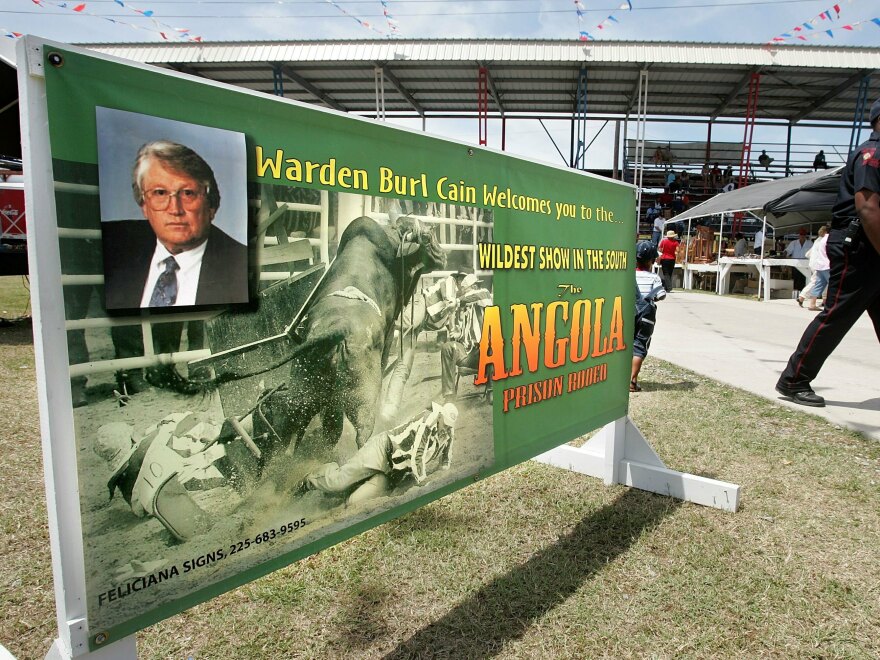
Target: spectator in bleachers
{"x": 764, "y": 160}
{"x": 657, "y": 230}
{"x": 715, "y": 178}
{"x": 819, "y": 162}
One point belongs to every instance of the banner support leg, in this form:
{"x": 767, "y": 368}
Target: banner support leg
{"x": 123, "y": 649}
{"x": 620, "y": 454}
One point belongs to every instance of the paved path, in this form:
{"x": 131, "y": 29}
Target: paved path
{"x": 747, "y": 343}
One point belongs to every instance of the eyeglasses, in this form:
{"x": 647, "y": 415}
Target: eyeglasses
{"x": 159, "y": 199}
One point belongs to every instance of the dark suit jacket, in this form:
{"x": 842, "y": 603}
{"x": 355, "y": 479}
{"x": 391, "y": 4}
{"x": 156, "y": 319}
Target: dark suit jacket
{"x": 128, "y": 250}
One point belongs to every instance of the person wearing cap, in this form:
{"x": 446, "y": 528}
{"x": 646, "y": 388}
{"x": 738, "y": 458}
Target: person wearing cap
{"x": 667, "y": 248}
{"x": 433, "y": 309}
{"x": 413, "y": 449}
{"x": 853, "y": 249}
{"x": 798, "y": 249}
{"x": 649, "y": 289}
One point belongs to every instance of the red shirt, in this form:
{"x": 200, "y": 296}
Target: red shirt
{"x": 667, "y": 248}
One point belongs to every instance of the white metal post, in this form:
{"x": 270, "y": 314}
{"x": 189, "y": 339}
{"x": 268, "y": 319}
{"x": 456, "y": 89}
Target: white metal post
{"x": 52, "y": 360}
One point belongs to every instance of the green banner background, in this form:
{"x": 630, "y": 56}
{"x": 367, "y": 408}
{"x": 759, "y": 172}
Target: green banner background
{"x": 306, "y": 133}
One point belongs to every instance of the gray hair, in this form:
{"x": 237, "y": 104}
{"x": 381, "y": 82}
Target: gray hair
{"x": 176, "y": 157}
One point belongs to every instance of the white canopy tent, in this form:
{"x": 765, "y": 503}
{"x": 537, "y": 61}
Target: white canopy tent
{"x": 782, "y": 203}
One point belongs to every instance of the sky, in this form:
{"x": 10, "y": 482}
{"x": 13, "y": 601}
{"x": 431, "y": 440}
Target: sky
{"x": 729, "y": 21}
{"x": 742, "y": 21}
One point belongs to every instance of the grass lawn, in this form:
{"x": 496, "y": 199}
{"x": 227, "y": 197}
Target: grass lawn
{"x": 537, "y": 562}
{"x": 15, "y": 297}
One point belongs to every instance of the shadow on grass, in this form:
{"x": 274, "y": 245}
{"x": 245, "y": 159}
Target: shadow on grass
{"x": 684, "y": 385}
{"x": 505, "y": 608}
{"x": 16, "y": 332}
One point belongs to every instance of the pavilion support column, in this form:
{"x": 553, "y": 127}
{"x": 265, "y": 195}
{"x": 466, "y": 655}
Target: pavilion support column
{"x": 483, "y": 105}
{"x": 641, "y": 122}
{"x": 788, "y": 171}
{"x": 709, "y": 143}
{"x": 277, "y": 80}
{"x": 616, "y": 172}
{"x": 379, "y": 76}
{"x": 861, "y": 102}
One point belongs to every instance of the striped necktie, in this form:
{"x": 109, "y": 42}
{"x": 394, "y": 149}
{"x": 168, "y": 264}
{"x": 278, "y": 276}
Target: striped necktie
{"x": 165, "y": 292}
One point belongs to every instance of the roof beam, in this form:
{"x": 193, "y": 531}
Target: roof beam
{"x": 400, "y": 88}
{"x": 183, "y": 68}
{"x": 834, "y": 93}
{"x": 311, "y": 89}
{"x": 721, "y": 107}
{"x": 493, "y": 92}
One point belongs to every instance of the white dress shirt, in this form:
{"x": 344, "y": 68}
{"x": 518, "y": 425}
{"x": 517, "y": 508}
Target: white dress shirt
{"x": 190, "y": 263}
{"x": 795, "y": 250}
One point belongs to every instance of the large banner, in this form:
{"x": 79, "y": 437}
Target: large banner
{"x": 286, "y": 325}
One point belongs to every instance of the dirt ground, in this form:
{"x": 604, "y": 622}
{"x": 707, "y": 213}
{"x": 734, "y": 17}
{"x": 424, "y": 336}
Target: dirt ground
{"x": 120, "y": 546}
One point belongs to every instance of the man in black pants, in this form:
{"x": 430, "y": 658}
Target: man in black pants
{"x": 853, "y": 248}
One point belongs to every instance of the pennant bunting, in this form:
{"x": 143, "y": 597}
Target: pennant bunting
{"x": 810, "y": 32}
{"x": 393, "y": 25}
{"x": 362, "y": 23}
{"x": 830, "y": 14}
{"x": 610, "y": 20}
{"x": 166, "y": 32}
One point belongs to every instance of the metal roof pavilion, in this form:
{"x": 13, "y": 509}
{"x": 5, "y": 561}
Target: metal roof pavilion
{"x": 438, "y": 77}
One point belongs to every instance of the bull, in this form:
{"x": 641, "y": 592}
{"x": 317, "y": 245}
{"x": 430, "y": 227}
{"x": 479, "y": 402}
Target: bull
{"x": 345, "y": 332}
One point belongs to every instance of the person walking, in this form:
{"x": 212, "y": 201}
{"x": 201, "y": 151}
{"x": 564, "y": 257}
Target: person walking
{"x": 649, "y": 290}
{"x": 853, "y": 248}
{"x": 820, "y": 267}
{"x": 667, "y": 248}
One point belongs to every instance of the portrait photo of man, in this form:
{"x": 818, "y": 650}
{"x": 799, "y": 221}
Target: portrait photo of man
{"x": 174, "y": 254}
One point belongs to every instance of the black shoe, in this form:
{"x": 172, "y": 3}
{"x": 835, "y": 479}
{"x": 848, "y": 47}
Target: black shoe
{"x": 166, "y": 377}
{"x": 804, "y": 397}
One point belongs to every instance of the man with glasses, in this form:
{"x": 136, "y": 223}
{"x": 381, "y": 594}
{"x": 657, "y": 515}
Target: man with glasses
{"x": 176, "y": 258}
